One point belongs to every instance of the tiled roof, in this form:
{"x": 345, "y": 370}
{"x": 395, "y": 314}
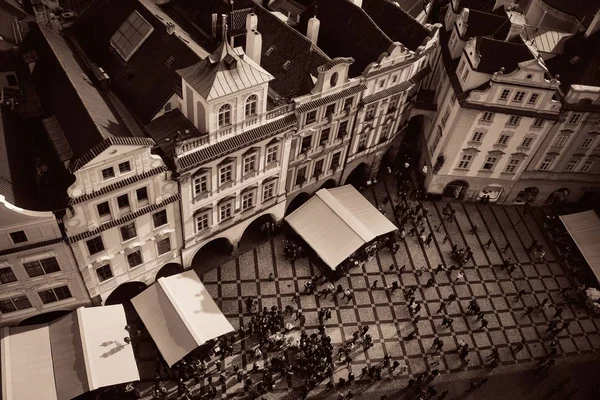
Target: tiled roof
{"x": 127, "y": 218}
{"x": 281, "y": 41}
{"x": 486, "y": 24}
{"x": 224, "y": 72}
{"x": 30, "y": 246}
{"x": 583, "y": 10}
{"x": 118, "y": 185}
{"x": 346, "y": 30}
{"x": 12, "y": 7}
{"x": 396, "y": 23}
{"x": 496, "y": 54}
{"x": 579, "y": 63}
{"x": 412, "y": 7}
{"x": 105, "y": 144}
{"x": 328, "y": 99}
{"x": 66, "y": 92}
{"x": 401, "y": 87}
{"x": 149, "y": 78}
{"x": 237, "y": 142}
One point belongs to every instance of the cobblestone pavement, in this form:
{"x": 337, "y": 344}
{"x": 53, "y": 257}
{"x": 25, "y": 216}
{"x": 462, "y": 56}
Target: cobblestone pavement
{"x": 386, "y": 312}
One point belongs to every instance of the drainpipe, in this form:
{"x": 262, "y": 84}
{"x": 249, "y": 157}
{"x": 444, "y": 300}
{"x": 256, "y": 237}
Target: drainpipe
{"x": 359, "y": 107}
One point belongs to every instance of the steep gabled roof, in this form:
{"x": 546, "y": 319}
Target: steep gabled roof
{"x": 224, "y": 72}
{"x": 412, "y": 7}
{"x": 398, "y": 24}
{"x": 148, "y": 79}
{"x": 583, "y": 10}
{"x": 346, "y": 30}
{"x": 66, "y": 92}
{"x": 496, "y": 54}
{"x": 579, "y": 63}
{"x": 485, "y": 24}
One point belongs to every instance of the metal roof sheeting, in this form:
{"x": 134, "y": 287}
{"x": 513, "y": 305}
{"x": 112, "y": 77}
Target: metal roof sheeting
{"x": 584, "y": 228}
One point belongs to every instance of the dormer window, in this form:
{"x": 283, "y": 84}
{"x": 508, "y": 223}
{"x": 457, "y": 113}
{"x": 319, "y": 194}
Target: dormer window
{"x": 108, "y": 173}
{"x": 130, "y": 35}
{"x": 269, "y": 50}
{"x": 251, "y": 105}
{"x": 224, "y": 115}
{"x": 286, "y": 65}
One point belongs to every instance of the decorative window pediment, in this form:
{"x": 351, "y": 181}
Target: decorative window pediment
{"x": 226, "y": 199}
{"x": 202, "y": 171}
{"x": 201, "y": 211}
{"x": 519, "y": 156}
{"x": 578, "y": 155}
{"x": 566, "y": 131}
{"x": 553, "y": 154}
{"x": 227, "y": 160}
{"x": 496, "y": 153}
{"x": 471, "y": 151}
{"x": 251, "y": 150}
{"x": 250, "y": 188}
{"x": 273, "y": 141}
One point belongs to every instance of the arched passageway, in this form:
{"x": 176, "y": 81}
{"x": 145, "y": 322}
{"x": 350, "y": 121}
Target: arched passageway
{"x": 559, "y": 196}
{"x": 169, "y": 270}
{"x": 44, "y": 318}
{"x": 527, "y": 195}
{"x": 212, "y": 254}
{"x": 456, "y": 189}
{"x": 123, "y": 295}
{"x": 297, "y": 202}
{"x": 257, "y": 232}
{"x": 329, "y": 184}
{"x": 358, "y": 177}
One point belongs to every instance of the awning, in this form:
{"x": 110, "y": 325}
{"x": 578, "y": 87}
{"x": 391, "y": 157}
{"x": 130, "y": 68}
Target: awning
{"x": 85, "y": 350}
{"x": 337, "y": 222}
{"x": 584, "y": 228}
{"x": 180, "y": 315}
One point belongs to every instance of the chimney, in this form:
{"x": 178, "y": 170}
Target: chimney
{"x": 170, "y": 27}
{"x": 254, "y": 45}
{"x": 594, "y": 25}
{"x": 357, "y": 3}
{"x": 251, "y": 22}
{"x": 312, "y": 31}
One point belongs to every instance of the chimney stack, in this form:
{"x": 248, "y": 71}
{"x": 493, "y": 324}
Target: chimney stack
{"x": 594, "y": 25}
{"x": 312, "y": 31}
{"x": 253, "y": 38}
{"x": 170, "y": 27}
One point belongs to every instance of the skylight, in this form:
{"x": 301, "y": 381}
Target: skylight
{"x": 130, "y": 35}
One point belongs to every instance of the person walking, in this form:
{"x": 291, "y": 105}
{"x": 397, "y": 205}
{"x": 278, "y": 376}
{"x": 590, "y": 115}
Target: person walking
{"x": 374, "y": 285}
{"x": 505, "y": 247}
{"x": 442, "y": 307}
{"x": 473, "y": 229}
{"x": 519, "y": 346}
{"x": 445, "y": 239}
{"x": 519, "y": 294}
{"x": 459, "y": 276}
{"x": 557, "y": 312}
{"x": 440, "y": 268}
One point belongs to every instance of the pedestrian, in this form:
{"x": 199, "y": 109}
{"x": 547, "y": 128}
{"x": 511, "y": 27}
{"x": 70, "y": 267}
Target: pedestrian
{"x": 505, "y": 247}
{"x": 392, "y": 267}
{"x": 451, "y": 297}
{"x": 459, "y": 276}
{"x": 488, "y": 243}
{"x": 519, "y": 346}
{"x": 473, "y": 229}
{"x": 558, "y": 312}
{"x": 440, "y": 268}
{"x": 484, "y": 324}
{"x": 430, "y": 282}
{"x": 480, "y": 316}
{"x": 271, "y": 277}
{"x": 544, "y": 302}
{"x": 520, "y": 293}
{"x": 511, "y": 269}
{"x": 395, "y": 286}
{"x": 442, "y": 307}
{"x": 402, "y": 269}
{"x": 346, "y": 293}
{"x": 445, "y": 239}
{"x": 374, "y": 285}
{"x": 529, "y": 310}
{"x": 447, "y": 322}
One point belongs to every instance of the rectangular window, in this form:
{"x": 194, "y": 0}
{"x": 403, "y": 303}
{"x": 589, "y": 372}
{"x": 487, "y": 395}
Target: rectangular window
{"x": 348, "y": 103}
{"x": 249, "y": 163}
{"x": 571, "y": 165}
{"x": 41, "y": 267}
{"x": 519, "y": 96}
{"x": 465, "y": 161}
{"x": 461, "y": 67}
{"x": 527, "y": 142}
{"x": 7, "y": 275}
{"x": 95, "y": 245}
{"x": 54, "y": 295}
{"x": 160, "y": 218}
{"x": 163, "y": 246}
{"x": 445, "y": 118}
{"x": 330, "y": 110}
{"x": 134, "y": 259}
{"x": 362, "y": 142}
{"x": 104, "y": 273}
{"x": 370, "y": 113}
{"x": 514, "y": 120}
{"x": 436, "y": 142}
{"x": 512, "y": 166}
{"x": 108, "y": 173}
{"x": 142, "y": 195}
{"x": 489, "y": 163}
{"x": 587, "y": 143}
{"x": 123, "y": 201}
{"x": 202, "y": 222}
{"x": 477, "y": 137}
{"x": 465, "y": 74}
{"x": 393, "y": 104}
{"x": 130, "y": 35}
{"x": 318, "y": 168}
{"x": 124, "y": 167}
{"x": 247, "y": 201}
{"x": 574, "y": 118}
{"x": 335, "y": 161}
{"x": 324, "y": 136}
{"x": 487, "y": 116}
{"x": 200, "y": 184}
{"x": 103, "y": 209}
{"x": 272, "y": 154}
{"x": 18, "y": 237}
{"x": 385, "y": 131}
{"x": 560, "y": 141}
{"x": 306, "y": 144}
{"x": 452, "y": 99}
{"x": 546, "y": 163}
{"x": 587, "y": 165}
{"x": 311, "y": 117}
{"x": 343, "y": 129}
{"x": 128, "y": 231}
{"x": 225, "y": 211}
{"x": 503, "y": 139}
{"x": 533, "y": 98}
{"x": 504, "y": 95}
{"x": 14, "y": 304}
{"x": 225, "y": 174}
{"x": 268, "y": 190}
{"x": 301, "y": 176}
{"x": 538, "y": 123}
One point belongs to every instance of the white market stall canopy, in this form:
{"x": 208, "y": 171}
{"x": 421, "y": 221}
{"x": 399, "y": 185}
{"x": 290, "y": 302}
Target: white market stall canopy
{"x": 337, "y": 222}
{"x": 584, "y": 228}
{"x": 180, "y": 315}
{"x": 82, "y": 351}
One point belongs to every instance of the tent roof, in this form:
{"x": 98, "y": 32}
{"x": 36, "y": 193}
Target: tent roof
{"x": 67, "y": 357}
{"x": 337, "y": 222}
{"x": 584, "y": 228}
{"x": 180, "y": 315}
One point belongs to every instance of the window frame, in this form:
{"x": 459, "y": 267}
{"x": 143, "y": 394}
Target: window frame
{"x": 126, "y": 197}
{"x": 39, "y": 265}
{"x": 465, "y": 161}
{"x": 56, "y": 296}
{"x": 560, "y": 141}
{"x": 587, "y": 142}
{"x": 248, "y": 200}
{"x": 224, "y": 116}
{"x": 574, "y": 118}
{"x": 533, "y": 98}
{"x": 490, "y": 163}
{"x": 333, "y": 157}
{"x": 330, "y": 109}
{"x": 272, "y": 153}
{"x": 128, "y": 228}
{"x": 477, "y": 136}
{"x": 572, "y": 164}
{"x": 103, "y": 268}
{"x": 7, "y": 272}
{"x": 16, "y": 237}
{"x": 204, "y": 219}
{"x": 311, "y": 117}
{"x": 519, "y": 96}
{"x": 529, "y": 141}
{"x": 268, "y": 187}
{"x": 371, "y": 111}
{"x": 327, "y": 138}
{"x": 504, "y": 94}
{"x": 228, "y": 205}
{"x": 100, "y": 206}
{"x": 250, "y": 160}
{"x": 503, "y": 139}
{"x": 143, "y": 200}
{"x": 514, "y": 120}
{"x": 139, "y": 256}
{"x": 166, "y": 239}
{"x": 14, "y": 301}
{"x": 538, "y": 123}
{"x": 252, "y": 103}
{"x": 299, "y": 175}
{"x": 124, "y": 167}
{"x": 546, "y": 163}
{"x": 107, "y": 173}
{"x": 587, "y": 165}
{"x": 487, "y": 116}
{"x": 228, "y": 168}
{"x": 94, "y": 240}
{"x": 159, "y": 214}
{"x": 512, "y": 165}
{"x": 200, "y": 184}
{"x": 123, "y": 29}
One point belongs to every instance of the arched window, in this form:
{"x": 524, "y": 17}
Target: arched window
{"x": 251, "y": 105}
{"x": 224, "y": 115}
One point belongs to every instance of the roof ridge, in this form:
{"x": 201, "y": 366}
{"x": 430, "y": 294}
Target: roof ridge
{"x": 375, "y": 24}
